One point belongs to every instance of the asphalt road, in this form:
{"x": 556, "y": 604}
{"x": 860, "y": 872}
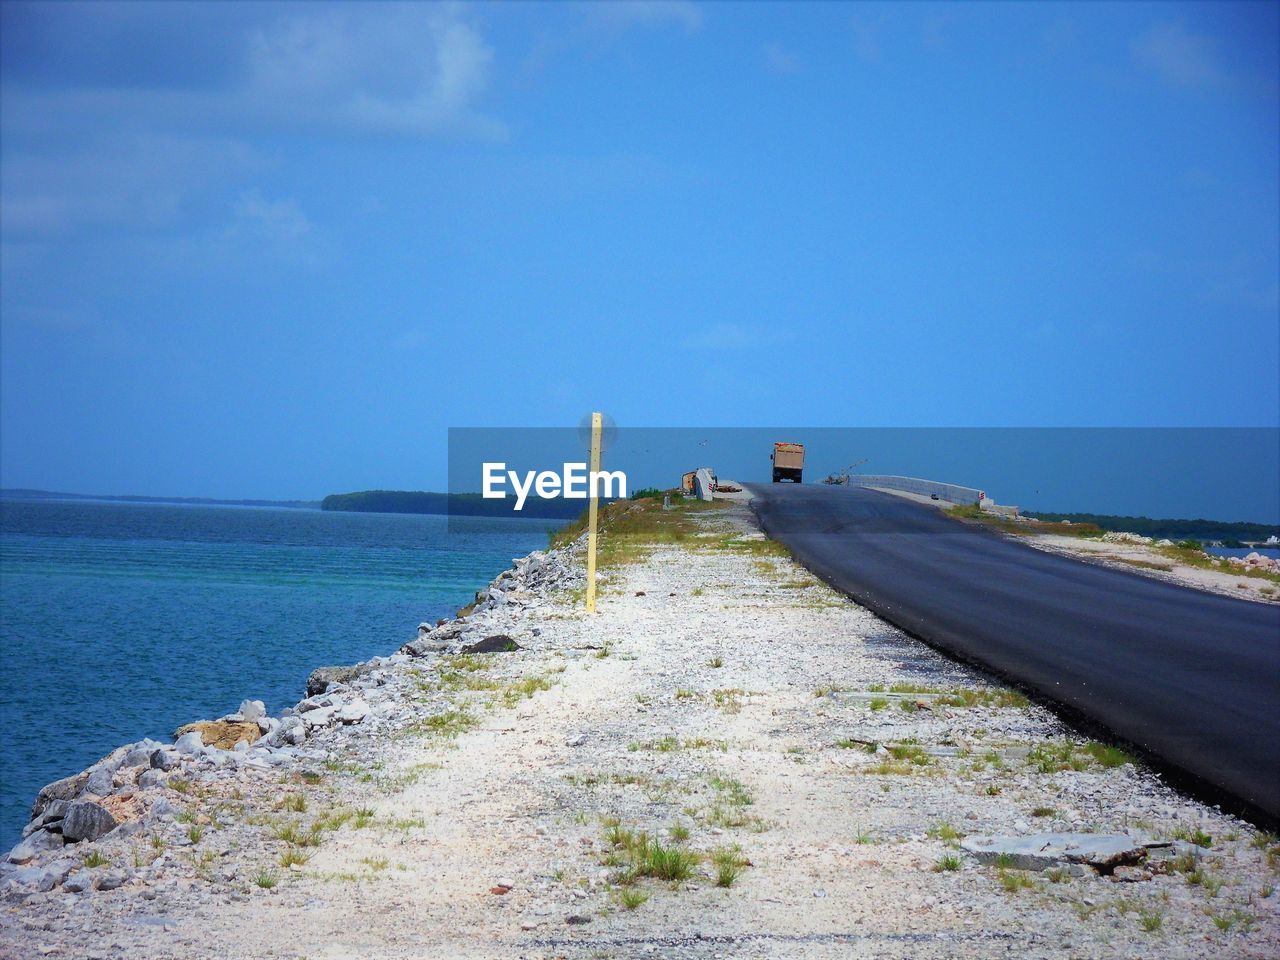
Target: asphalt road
{"x": 1191, "y": 679}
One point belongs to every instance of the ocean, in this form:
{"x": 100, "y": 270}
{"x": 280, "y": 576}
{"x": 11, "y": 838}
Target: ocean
{"x": 120, "y": 621}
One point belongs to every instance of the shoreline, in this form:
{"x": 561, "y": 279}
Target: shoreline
{"x": 837, "y": 774}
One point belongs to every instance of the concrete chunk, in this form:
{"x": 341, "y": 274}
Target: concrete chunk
{"x": 1036, "y": 851}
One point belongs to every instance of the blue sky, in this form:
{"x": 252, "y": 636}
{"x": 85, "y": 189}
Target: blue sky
{"x": 277, "y": 250}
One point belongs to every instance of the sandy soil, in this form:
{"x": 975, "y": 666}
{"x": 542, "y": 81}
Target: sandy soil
{"x": 720, "y": 694}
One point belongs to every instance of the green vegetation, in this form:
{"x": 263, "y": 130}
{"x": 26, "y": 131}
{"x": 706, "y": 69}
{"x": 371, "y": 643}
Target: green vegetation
{"x": 95, "y": 859}
{"x": 1022, "y": 527}
{"x": 948, "y": 862}
{"x": 653, "y": 493}
{"x": 295, "y": 836}
{"x": 1014, "y": 880}
{"x": 729, "y": 863}
{"x": 632, "y": 897}
{"x": 1151, "y": 920}
{"x": 449, "y": 724}
{"x": 945, "y": 832}
{"x": 292, "y": 857}
{"x": 1193, "y": 835}
{"x": 1227, "y": 921}
{"x": 266, "y": 879}
{"x": 645, "y": 857}
{"x": 671, "y": 744}
{"x": 1166, "y": 529}
{"x": 1052, "y": 756}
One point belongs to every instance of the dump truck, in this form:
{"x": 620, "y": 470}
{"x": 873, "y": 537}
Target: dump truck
{"x": 788, "y": 461}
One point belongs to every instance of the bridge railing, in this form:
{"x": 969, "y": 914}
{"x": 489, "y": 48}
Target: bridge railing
{"x": 952, "y": 493}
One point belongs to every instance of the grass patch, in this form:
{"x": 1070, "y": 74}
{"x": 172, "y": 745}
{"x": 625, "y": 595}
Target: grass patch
{"x": 1044, "y": 812}
{"x": 1151, "y": 920}
{"x": 1226, "y": 922}
{"x": 294, "y": 857}
{"x": 295, "y": 836}
{"x": 728, "y": 863}
{"x": 910, "y": 752}
{"x": 632, "y": 897}
{"x": 945, "y": 832}
{"x": 672, "y": 744}
{"x": 715, "y": 663}
{"x": 266, "y": 880}
{"x": 732, "y": 791}
{"x": 1052, "y": 756}
{"x": 646, "y": 857}
{"x": 95, "y": 859}
{"x": 1024, "y": 528}
{"x": 1014, "y": 880}
{"x": 1193, "y": 835}
{"x": 447, "y": 725}
{"x": 947, "y": 862}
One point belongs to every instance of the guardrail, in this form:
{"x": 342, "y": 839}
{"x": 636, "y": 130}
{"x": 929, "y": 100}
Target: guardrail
{"x": 952, "y": 493}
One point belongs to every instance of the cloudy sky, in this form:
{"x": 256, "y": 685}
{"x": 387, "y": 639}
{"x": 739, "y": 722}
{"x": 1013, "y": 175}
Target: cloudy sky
{"x": 277, "y": 250}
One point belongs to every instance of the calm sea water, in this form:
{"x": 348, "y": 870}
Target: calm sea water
{"x": 1244, "y": 551}
{"x": 122, "y": 621}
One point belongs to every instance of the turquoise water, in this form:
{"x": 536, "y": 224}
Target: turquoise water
{"x": 122, "y": 621}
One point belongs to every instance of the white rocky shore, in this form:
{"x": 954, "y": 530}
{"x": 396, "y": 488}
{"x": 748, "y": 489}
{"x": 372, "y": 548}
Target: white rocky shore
{"x": 728, "y": 760}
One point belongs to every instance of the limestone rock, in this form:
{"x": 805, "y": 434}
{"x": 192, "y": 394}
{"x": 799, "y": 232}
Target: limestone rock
{"x": 68, "y": 788}
{"x": 112, "y": 879}
{"x": 86, "y": 820}
{"x": 34, "y": 845}
{"x": 99, "y": 782}
{"x": 223, "y": 734}
{"x": 321, "y": 678}
{"x": 498, "y": 643}
{"x": 78, "y": 882}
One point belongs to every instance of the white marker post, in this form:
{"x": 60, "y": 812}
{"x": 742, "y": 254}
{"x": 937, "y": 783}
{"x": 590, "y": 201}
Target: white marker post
{"x": 597, "y": 423}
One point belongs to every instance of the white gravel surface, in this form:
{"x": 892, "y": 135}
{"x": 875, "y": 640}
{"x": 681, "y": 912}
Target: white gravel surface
{"x": 722, "y": 693}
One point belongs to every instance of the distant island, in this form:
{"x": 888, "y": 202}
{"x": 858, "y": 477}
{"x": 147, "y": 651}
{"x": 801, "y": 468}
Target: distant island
{"x": 19, "y": 493}
{"x": 1229, "y": 533}
{"x": 454, "y": 504}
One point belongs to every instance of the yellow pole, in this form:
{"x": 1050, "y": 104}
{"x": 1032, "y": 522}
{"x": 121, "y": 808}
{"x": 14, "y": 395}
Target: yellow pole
{"x": 592, "y": 511}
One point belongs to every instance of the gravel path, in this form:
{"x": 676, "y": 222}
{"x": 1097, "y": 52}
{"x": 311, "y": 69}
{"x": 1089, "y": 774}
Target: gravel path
{"x": 725, "y": 705}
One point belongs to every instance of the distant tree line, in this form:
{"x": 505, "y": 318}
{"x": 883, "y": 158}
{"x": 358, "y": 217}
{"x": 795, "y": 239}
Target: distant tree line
{"x": 456, "y": 504}
{"x": 1229, "y": 533}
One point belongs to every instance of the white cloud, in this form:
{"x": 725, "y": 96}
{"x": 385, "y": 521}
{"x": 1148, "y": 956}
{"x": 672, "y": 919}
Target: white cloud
{"x": 1178, "y": 56}
{"x": 625, "y": 14}
{"x": 400, "y": 71}
{"x": 403, "y": 71}
{"x": 276, "y": 220}
{"x": 141, "y": 181}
